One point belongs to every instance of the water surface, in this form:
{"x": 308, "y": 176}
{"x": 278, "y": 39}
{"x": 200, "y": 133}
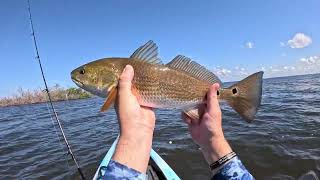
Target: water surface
{"x": 282, "y": 143}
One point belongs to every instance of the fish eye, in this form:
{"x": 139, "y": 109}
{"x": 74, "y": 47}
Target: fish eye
{"x": 82, "y": 71}
{"x": 234, "y": 91}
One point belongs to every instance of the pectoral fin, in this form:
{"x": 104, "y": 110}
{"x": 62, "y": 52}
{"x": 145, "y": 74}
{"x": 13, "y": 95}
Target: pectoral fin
{"x": 194, "y": 113}
{"x": 110, "y": 99}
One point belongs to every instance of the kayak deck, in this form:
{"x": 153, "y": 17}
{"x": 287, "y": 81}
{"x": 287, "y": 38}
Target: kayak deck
{"x": 158, "y": 169}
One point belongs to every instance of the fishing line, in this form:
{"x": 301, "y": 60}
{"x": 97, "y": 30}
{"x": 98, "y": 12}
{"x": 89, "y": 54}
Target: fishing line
{"x": 56, "y": 132}
{"x": 93, "y": 131}
{"x": 49, "y": 96}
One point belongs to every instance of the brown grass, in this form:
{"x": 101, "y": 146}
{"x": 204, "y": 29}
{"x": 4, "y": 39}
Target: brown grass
{"x": 57, "y": 93}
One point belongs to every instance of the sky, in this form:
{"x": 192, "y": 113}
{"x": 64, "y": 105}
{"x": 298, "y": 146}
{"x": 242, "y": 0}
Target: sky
{"x": 231, "y": 38}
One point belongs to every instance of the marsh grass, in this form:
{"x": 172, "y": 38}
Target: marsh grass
{"x": 57, "y": 92}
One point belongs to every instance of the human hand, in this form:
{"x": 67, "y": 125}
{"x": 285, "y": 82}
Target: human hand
{"x": 134, "y": 119}
{"x": 207, "y": 131}
{"x": 136, "y": 126}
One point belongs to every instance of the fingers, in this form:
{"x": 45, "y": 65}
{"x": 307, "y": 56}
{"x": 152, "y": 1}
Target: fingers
{"x": 125, "y": 80}
{"x": 124, "y": 87}
{"x": 212, "y": 101}
{"x": 147, "y": 111}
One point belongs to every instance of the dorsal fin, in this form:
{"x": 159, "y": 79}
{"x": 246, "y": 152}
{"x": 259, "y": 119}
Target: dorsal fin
{"x": 147, "y": 53}
{"x": 185, "y": 64}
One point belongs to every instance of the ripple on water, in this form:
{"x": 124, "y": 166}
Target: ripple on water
{"x": 282, "y": 143}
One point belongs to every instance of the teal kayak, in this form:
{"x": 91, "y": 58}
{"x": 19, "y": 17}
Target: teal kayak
{"x": 157, "y": 169}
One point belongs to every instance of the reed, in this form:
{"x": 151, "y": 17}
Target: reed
{"x": 58, "y": 93}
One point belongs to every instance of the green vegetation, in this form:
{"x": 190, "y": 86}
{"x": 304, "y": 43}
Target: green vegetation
{"x": 77, "y": 93}
{"x": 57, "y": 92}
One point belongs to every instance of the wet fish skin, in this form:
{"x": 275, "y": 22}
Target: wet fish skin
{"x": 159, "y": 86}
{"x": 155, "y": 85}
{"x": 182, "y": 83}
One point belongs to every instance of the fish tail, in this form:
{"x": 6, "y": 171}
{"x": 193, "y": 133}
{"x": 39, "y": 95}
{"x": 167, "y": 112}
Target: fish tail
{"x": 245, "y": 96}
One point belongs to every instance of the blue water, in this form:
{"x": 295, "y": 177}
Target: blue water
{"x": 282, "y": 143}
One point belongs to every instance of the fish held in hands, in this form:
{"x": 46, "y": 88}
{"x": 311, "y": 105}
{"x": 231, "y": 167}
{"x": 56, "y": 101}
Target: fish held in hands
{"x": 181, "y": 83}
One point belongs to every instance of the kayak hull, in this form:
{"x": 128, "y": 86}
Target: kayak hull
{"x": 157, "y": 168}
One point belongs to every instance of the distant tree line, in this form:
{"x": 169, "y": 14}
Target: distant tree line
{"x": 57, "y": 93}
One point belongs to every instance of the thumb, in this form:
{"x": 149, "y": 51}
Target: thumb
{"x": 212, "y": 101}
{"x": 125, "y": 79}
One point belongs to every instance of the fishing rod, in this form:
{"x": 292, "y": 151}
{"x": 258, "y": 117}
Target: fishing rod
{"x": 49, "y": 96}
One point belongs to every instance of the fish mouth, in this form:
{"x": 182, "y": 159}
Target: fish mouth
{"x": 78, "y": 83}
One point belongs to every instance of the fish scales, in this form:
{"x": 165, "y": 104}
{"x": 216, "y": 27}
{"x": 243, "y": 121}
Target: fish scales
{"x": 165, "y": 87}
{"x": 182, "y": 83}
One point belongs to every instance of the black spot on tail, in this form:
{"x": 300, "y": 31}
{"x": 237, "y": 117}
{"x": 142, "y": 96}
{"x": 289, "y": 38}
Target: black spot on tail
{"x": 234, "y": 91}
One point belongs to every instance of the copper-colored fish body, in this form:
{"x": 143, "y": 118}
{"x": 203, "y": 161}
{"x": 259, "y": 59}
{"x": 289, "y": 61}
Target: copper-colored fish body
{"x": 161, "y": 86}
{"x": 182, "y": 83}
{"x": 157, "y": 85}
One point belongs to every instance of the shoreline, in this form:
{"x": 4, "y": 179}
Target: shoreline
{"x": 58, "y": 93}
{"x": 34, "y": 103}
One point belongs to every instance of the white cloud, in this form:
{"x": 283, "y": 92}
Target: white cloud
{"x": 311, "y": 60}
{"x": 299, "y": 40}
{"x": 306, "y": 65}
{"x": 303, "y": 59}
{"x": 249, "y": 45}
{"x": 222, "y": 72}
{"x": 236, "y": 73}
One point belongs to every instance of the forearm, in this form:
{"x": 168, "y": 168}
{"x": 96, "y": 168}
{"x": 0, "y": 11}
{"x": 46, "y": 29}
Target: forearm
{"x": 134, "y": 151}
{"x": 219, "y": 147}
{"x": 233, "y": 169}
{"x": 216, "y": 148}
{"x": 116, "y": 170}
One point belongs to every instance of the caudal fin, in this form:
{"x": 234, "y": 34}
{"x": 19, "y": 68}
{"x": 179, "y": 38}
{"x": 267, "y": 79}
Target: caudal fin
{"x": 245, "y": 96}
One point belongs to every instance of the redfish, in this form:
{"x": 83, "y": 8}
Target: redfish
{"x": 181, "y": 83}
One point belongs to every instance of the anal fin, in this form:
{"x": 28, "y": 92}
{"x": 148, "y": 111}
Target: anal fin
{"x": 110, "y": 99}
